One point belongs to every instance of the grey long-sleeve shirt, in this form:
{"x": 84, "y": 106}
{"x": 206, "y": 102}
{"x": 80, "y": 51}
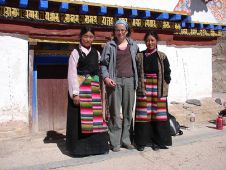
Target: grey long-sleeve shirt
{"x": 108, "y": 60}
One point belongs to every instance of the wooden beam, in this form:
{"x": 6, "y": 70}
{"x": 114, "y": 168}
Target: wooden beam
{"x": 23, "y": 3}
{"x": 42, "y": 30}
{"x": 119, "y": 12}
{"x": 162, "y": 16}
{"x": 133, "y": 13}
{"x": 2, "y": 2}
{"x": 146, "y": 14}
{"x": 43, "y": 4}
{"x": 64, "y": 7}
{"x": 102, "y": 10}
{"x": 175, "y": 17}
{"x": 198, "y": 43}
{"x": 84, "y": 9}
{"x": 66, "y": 33}
{"x": 181, "y": 41}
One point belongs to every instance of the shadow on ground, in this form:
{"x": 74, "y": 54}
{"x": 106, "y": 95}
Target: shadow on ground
{"x": 58, "y": 138}
{"x": 212, "y": 122}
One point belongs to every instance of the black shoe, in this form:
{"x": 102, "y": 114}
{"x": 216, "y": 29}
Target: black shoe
{"x": 155, "y": 147}
{"x": 163, "y": 147}
{"x": 140, "y": 148}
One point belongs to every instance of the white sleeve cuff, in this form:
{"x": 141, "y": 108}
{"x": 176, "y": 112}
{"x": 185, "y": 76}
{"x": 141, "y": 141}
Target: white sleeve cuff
{"x": 75, "y": 92}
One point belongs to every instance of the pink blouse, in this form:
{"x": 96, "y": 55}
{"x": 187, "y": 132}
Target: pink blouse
{"x": 73, "y": 85}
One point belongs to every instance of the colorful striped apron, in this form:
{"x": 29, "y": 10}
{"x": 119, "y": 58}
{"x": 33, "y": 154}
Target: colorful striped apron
{"x": 150, "y": 107}
{"x": 91, "y": 106}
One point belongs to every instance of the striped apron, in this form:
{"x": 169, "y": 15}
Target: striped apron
{"x": 150, "y": 107}
{"x": 91, "y": 106}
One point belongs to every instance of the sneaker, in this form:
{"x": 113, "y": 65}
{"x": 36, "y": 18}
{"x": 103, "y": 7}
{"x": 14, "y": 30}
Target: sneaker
{"x": 128, "y": 146}
{"x": 116, "y": 149}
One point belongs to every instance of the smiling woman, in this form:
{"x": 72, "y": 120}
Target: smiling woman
{"x": 87, "y": 39}
{"x": 118, "y": 70}
{"x": 86, "y": 130}
{"x": 151, "y": 120}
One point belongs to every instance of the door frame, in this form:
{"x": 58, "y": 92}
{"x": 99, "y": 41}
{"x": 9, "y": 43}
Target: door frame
{"x": 35, "y": 60}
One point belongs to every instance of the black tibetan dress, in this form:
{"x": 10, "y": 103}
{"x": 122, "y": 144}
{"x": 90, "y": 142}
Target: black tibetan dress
{"x": 82, "y": 137}
{"x": 151, "y": 120}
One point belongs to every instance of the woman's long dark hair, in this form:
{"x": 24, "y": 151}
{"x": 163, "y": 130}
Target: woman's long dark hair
{"x": 152, "y": 33}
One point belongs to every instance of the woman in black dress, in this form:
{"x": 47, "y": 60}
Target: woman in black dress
{"x": 86, "y": 130}
{"x": 151, "y": 121}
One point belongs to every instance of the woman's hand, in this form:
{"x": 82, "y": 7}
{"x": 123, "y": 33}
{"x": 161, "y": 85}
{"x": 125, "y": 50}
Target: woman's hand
{"x": 109, "y": 82}
{"x": 76, "y": 100}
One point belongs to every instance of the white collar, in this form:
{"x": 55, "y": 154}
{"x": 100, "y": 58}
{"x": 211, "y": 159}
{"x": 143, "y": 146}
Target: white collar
{"x": 85, "y": 50}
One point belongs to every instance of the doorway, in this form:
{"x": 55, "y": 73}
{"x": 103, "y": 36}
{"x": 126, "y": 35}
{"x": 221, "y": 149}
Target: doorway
{"x": 51, "y": 63}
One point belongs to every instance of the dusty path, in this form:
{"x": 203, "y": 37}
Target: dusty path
{"x": 201, "y": 148}
{"x": 191, "y": 152}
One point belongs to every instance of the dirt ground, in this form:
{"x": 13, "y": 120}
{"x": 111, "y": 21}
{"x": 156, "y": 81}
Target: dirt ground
{"x": 208, "y": 111}
{"x": 202, "y": 147}
{"x": 208, "y": 154}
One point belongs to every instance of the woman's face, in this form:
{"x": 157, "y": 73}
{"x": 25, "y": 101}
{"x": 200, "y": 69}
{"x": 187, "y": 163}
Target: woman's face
{"x": 120, "y": 32}
{"x": 151, "y": 43}
{"x": 87, "y": 39}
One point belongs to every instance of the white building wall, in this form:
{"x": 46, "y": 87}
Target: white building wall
{"x": 191, "y": 71}
{"x": 13, "y": 77}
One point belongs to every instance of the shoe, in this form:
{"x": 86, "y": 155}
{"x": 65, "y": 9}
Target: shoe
{"x": 155, "y": 147}
{"x": 163, "y": 147}
{"x": 116, "y": 149}
{"x": 128, "y": 146}
{"x": 140, "y": 148}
